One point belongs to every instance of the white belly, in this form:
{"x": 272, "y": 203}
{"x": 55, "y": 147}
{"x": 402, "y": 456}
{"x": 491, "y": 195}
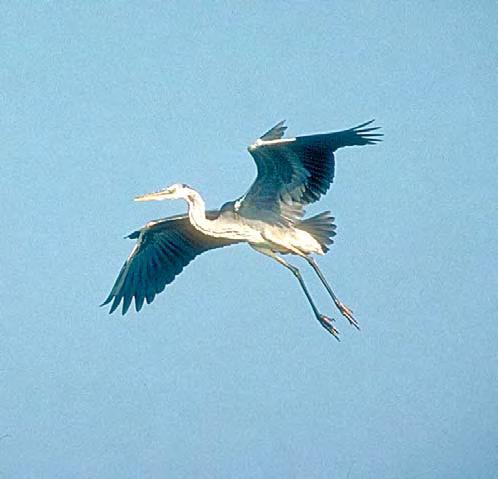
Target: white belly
{"x": 288, "y": 240}
{"x": 277, "y": 238}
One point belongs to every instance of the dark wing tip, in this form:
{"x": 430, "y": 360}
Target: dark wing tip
{"x": 367, "y": 134}
{"x": 133, "y": 235}
{"x": 106, "y": 301}
{"x": 369, "y": 122}
{"x": 115, "y": 304}
{"x": 112, "y": 296}
{"x": 127, "y": 301}
{"x": 275, "y": 133}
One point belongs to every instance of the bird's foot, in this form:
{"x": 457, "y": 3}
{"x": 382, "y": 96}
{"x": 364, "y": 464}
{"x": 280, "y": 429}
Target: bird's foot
{"x": 326, "y": 322}
{"x": 348, "y": 314}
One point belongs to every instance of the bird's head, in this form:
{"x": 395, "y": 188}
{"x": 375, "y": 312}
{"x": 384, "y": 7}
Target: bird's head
{"x": 173, "y": 192}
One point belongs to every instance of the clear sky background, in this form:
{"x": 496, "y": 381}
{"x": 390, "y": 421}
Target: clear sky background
{"x": 227, "y": 374}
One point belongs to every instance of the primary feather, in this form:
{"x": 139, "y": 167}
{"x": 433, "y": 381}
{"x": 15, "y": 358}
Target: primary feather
{"x": 291, "y": 173}
{"x": 294, "y": 172}
{"x": 164, "y": 247}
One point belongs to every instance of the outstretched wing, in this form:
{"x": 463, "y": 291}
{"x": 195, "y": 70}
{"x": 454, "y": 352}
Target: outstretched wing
{"x": 163, "y": 248}
{"x": 293, "y": 172}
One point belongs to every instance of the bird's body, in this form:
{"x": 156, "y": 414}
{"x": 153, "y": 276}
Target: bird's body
{"x": 229, "y": 224}
{"x": 292, "y": 173}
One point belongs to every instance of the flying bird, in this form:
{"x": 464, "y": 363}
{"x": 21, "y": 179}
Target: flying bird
{"x": 291, "y": 173}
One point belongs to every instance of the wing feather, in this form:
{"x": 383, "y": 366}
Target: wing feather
{"x": 162, "y": 250}
{"x": 294, "y": 172}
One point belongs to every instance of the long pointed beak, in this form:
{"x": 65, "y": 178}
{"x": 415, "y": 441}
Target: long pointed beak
{"x": 157, "y": 196}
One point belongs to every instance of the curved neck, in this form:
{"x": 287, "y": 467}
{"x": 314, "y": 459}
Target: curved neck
{"x": 220, "y": 227}
{"x": 197, "y": 213}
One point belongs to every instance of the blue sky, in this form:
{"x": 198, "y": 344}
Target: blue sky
{"x": 227, "y": 374}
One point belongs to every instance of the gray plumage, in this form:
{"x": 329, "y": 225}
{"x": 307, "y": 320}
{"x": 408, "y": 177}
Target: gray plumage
{"x": 164, "y": 247}
{"x": 291, "y": 173}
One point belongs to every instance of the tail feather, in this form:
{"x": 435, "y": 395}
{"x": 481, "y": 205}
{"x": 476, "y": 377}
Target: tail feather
{"x": 321, "y": 227}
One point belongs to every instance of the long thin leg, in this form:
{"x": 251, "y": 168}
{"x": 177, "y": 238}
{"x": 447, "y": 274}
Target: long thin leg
{"x": 325, "y": 321}
{"x": 345, "y": 311}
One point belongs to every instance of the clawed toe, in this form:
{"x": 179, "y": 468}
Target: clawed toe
{"x": 326, "y": 322}
{"x": 348, "y": 314}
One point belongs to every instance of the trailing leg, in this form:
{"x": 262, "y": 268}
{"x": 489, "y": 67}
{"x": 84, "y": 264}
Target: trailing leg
{"x": 325, "y": 321}
{"x": 345, "y": 311}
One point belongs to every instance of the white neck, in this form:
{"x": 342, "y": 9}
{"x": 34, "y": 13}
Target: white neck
{"x": 197, "y": 213}
{"x": 217, "y": 228}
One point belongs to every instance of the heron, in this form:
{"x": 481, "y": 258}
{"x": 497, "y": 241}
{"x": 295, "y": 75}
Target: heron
{"x": 291, "y": 173}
